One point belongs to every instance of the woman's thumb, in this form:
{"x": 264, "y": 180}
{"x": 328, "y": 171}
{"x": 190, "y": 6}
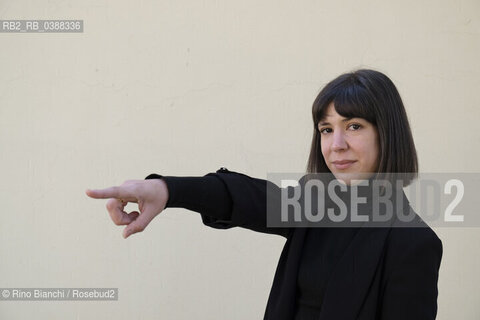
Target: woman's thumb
{"x": 139, "y": 224}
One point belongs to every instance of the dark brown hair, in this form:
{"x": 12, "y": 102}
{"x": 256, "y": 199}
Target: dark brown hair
{"x": 370, "y": 95}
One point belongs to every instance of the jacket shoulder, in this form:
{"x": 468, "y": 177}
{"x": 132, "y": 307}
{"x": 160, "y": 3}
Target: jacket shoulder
{"x": 406, "y": 235}
{"x": 413, "y": 246}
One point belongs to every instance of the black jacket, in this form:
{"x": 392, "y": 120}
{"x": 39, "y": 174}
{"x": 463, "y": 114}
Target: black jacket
{"x": 387, "y": 273}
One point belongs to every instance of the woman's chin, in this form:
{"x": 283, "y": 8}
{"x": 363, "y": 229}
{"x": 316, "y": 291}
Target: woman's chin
{"x": 352, "y": 178}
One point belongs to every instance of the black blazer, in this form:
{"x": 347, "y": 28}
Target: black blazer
{"x": 385, "y": 274}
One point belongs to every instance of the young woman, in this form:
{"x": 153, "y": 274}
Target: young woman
{"x": 360, "y": 130}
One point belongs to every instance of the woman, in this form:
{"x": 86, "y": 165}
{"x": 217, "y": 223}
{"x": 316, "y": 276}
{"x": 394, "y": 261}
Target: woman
{"x": 360, "y": 130}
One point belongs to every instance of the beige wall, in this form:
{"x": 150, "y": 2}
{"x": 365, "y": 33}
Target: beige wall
{"x": 183, "y": 88}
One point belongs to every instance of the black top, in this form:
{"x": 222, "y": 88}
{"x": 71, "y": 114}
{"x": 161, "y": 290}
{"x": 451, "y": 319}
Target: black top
{"x": 322, "y": 249}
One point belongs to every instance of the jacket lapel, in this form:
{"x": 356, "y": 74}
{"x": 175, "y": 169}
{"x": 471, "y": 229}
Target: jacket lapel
{"x": 281, "y": 303}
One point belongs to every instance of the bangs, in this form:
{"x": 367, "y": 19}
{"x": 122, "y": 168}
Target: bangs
{"x": 350, "y": 99}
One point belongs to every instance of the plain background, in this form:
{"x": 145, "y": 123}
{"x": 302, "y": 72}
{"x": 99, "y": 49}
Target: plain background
{"x": 183, "y": 88}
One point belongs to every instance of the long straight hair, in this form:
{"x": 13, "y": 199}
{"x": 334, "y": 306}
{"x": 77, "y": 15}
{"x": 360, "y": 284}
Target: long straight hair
{"x": 370, "y": 95}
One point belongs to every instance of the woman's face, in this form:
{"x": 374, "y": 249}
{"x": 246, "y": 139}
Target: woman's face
{"x": 350, "y": 147}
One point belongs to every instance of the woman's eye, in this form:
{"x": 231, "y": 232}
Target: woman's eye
{"x": 325, "y": 130}
{"x": 355, "y": 126}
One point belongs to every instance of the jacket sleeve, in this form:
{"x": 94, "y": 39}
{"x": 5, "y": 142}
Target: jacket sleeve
{"x": 225, "y": 199}
{"x": 411, "y": 286}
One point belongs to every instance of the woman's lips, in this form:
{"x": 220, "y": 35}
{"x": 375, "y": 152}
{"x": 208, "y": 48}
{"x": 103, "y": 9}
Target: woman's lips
{"x": 342, "y": 165}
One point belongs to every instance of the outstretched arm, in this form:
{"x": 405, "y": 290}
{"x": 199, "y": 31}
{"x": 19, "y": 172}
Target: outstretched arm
{"x": 224, "y": 199}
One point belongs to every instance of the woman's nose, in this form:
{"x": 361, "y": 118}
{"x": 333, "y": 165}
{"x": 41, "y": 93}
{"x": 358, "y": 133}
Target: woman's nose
{"x": 339, "y": 143}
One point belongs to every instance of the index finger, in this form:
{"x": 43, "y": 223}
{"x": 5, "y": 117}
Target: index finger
{"x": 118, "y": 192}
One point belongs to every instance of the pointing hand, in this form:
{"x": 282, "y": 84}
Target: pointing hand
{"x": 151, "y": 196}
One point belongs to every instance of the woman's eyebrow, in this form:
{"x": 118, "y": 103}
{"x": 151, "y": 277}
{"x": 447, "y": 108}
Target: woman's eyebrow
{"x": 325, "y": 123}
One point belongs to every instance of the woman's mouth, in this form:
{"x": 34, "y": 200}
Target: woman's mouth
{"x": 343, "y": 164}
